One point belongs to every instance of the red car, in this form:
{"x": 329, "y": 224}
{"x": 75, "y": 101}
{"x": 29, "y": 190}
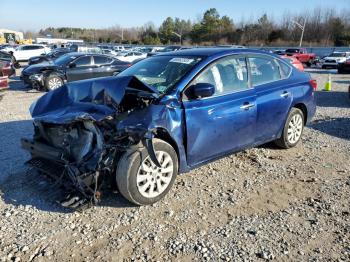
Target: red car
{"x": 3, "y": 82}
{"x": 295, "y": 62}
{"x": 302, "y": 55}
{"x": 6, "y": 68}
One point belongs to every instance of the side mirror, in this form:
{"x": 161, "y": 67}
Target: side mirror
{"x": 72, "y": 65}
{"x": 201, "y": 90}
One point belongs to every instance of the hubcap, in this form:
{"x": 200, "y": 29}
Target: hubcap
{"x": 152, "y": 180}
{"x": 295, "y": 128}
{"x": 54, "y": 83}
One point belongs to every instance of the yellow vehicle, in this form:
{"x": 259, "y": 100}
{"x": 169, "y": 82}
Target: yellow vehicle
{"x": 25, "y": 41}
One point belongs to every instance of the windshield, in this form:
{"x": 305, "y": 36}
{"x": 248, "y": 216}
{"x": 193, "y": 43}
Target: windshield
{"x": 167, "y": 49}
{"x": 64, "y": 60}
{"x": 337, "y": 55}
{"x": 293, "y": 51}
{"x": 162, "y": 72}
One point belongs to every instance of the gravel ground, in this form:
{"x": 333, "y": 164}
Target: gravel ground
{"x": 260, "y": 204}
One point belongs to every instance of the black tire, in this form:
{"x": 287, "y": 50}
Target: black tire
{"x": 128, "y": 167}
{"x": 16, "y": 65}
{"x": 283, "y": 141}
{"x": 48, "y": 86}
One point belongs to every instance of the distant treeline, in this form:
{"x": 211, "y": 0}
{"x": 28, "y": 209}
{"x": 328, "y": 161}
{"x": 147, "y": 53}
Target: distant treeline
{"x": 324, "y": 27}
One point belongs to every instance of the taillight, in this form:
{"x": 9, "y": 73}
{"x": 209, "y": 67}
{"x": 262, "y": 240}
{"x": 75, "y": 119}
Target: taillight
{"x": 313, "y": 83}
{"x": 347, "y": 62}
{"x": 7, "y": 65}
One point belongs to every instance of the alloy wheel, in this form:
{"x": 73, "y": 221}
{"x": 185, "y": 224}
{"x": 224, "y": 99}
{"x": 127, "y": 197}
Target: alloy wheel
{"x": 295, "y": 129}
{"x": 152, "y": 180}
{"x": 55, "y": 83}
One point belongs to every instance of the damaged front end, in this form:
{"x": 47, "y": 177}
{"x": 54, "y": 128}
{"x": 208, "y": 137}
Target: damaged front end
{"x": 76, "y": 136}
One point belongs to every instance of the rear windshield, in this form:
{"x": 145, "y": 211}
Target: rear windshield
{"x": 337, "y": 55}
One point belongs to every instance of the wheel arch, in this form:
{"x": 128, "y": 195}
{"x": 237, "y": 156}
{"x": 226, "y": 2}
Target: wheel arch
{"x": 303, "y": 108}
{"x": 163, "y": 134}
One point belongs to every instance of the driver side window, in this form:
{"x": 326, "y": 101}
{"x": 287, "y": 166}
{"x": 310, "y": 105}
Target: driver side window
{"x": 227, "y": 75}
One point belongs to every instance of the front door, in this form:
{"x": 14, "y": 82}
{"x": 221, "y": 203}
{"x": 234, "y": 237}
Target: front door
{"x": 224, "y": 122}
{"x": 80, "y": 68}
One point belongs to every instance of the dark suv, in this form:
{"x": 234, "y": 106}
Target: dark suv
{"x": 71, "y": 67}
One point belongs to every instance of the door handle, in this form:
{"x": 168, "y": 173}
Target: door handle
{"x": 285, "y": 94}
{"x": 247, "y": 106}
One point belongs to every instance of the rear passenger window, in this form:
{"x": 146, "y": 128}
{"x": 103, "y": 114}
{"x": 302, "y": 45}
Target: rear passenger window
{"x": 285, "y": 69}
{"x": 26, "y": 47}
{"x": 263, "y": 70}
{"x": 227, "y": 75}
{"x": 102, "y": 60}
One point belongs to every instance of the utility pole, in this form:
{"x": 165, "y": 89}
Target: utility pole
{"x": 302, "y": 28}
{"x": 121, "y": 36}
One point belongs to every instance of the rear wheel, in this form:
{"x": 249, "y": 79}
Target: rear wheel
{"x": 139, "y": 179}
{"x": 293, "y": 129}
{"x": 53, "y": 82}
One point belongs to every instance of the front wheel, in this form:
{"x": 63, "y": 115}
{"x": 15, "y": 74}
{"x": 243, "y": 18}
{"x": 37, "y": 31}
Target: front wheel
{"x": 139, "y": 179}
{"x": 53, "y": 82}
{"x": 293, "y": 129}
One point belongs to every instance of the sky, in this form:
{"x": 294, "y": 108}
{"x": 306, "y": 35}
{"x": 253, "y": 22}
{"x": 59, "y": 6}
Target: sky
{"x": 37, "y": 14}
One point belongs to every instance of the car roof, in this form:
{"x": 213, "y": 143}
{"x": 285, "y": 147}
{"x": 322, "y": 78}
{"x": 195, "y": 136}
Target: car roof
{"x": 213, "y": 51}
{"x": 83, "y": 54}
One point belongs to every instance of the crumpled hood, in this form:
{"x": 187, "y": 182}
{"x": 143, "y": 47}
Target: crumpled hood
{"x": 86, "y": 100}
{"x": 37, "y": 68}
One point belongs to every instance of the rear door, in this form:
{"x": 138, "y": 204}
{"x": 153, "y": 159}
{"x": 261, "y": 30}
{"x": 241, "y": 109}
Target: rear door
{"x": 80, "y": 68}
{"x": 274, "y": 95}
{"x": 224, "y": 122}
{"x": 38, "y": 50}
{"x": 102, "y": 66}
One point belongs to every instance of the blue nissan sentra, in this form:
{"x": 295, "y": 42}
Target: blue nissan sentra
{"x": 165, "y": 115}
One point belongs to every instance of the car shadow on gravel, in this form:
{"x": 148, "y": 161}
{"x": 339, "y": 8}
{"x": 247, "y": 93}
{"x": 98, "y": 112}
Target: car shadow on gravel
{"x": 16, "y": 84}
{"x": 332, "y": 99}
{"x": 22, "y": 185}
{"x": 28, "y": 187}
{"x": 337, "y": 127}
